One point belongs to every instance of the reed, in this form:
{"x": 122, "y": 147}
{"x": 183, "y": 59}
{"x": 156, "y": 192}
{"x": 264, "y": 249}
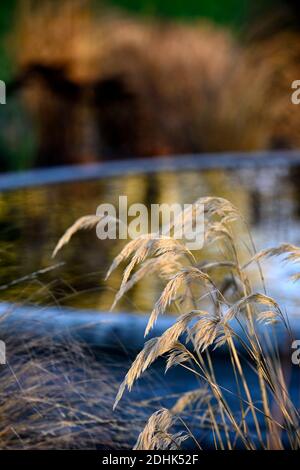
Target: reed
{"x": 213, "y": 314}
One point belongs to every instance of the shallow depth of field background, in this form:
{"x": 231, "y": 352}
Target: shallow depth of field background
{"x": 27, "y": 134}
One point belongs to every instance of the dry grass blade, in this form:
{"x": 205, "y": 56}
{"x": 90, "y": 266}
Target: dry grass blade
{"x": 156, "y": 434}
{"x": 295, "y": 277}
{"x": 136, "y": 369}
{"x": 178, "y": 355}
{"x": 84, "y": 223}
{"x": 128, "y": 250}
{"x": 165, "y": 266}
{"x": 216, "y": 265}
{"x": 155, "y": 348}
{"x": 217, "y": 231}
{"x": 267, "y": 317}
{"x": 212, "y": 207}
{"x": 205, "y": 331}
{"x": 188, "y": 399}
{"x": 154, "y": 247}
{"x": 30, "y": 276}
{"x": 219, "y": 207}
{"x": 260, "y": 299}
{"x": 291, "y": 252}
{"x": 168, "y": 295}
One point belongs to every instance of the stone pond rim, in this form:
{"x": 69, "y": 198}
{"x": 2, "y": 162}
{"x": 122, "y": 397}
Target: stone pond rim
{"x": 107, "y": 169}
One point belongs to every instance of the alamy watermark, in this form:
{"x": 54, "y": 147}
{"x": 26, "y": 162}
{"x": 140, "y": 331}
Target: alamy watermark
{"x": 2, "y": 92}
{"x": 295, "y": 96}
{"x": 2, "y": 353}
{"x": 182, "y": 222}
{"x": 296, "y": 352}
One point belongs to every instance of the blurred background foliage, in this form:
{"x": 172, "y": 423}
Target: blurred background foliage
{"x": 233, "y": 14}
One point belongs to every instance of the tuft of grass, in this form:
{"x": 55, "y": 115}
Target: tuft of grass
{"x": 49, "y": 393}
{"x": 49, "y": 396}
{"x": 210, "y": 317}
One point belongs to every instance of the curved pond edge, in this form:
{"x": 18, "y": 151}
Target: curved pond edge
{"x": 102, "y": 330}
{"x": 205, "y": 161}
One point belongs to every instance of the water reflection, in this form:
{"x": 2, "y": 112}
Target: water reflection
{"x": 32, "y": 220}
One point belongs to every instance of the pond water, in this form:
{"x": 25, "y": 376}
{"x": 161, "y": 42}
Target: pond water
{"x": 33, "y": 219}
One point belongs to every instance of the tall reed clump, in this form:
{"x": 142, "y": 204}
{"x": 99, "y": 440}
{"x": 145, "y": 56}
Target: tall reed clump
{"x": 218, "y": 307}
{"x": 109, "y": 72}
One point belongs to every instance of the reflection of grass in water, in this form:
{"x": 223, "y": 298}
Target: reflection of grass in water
{"x": 215, "y": 313}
